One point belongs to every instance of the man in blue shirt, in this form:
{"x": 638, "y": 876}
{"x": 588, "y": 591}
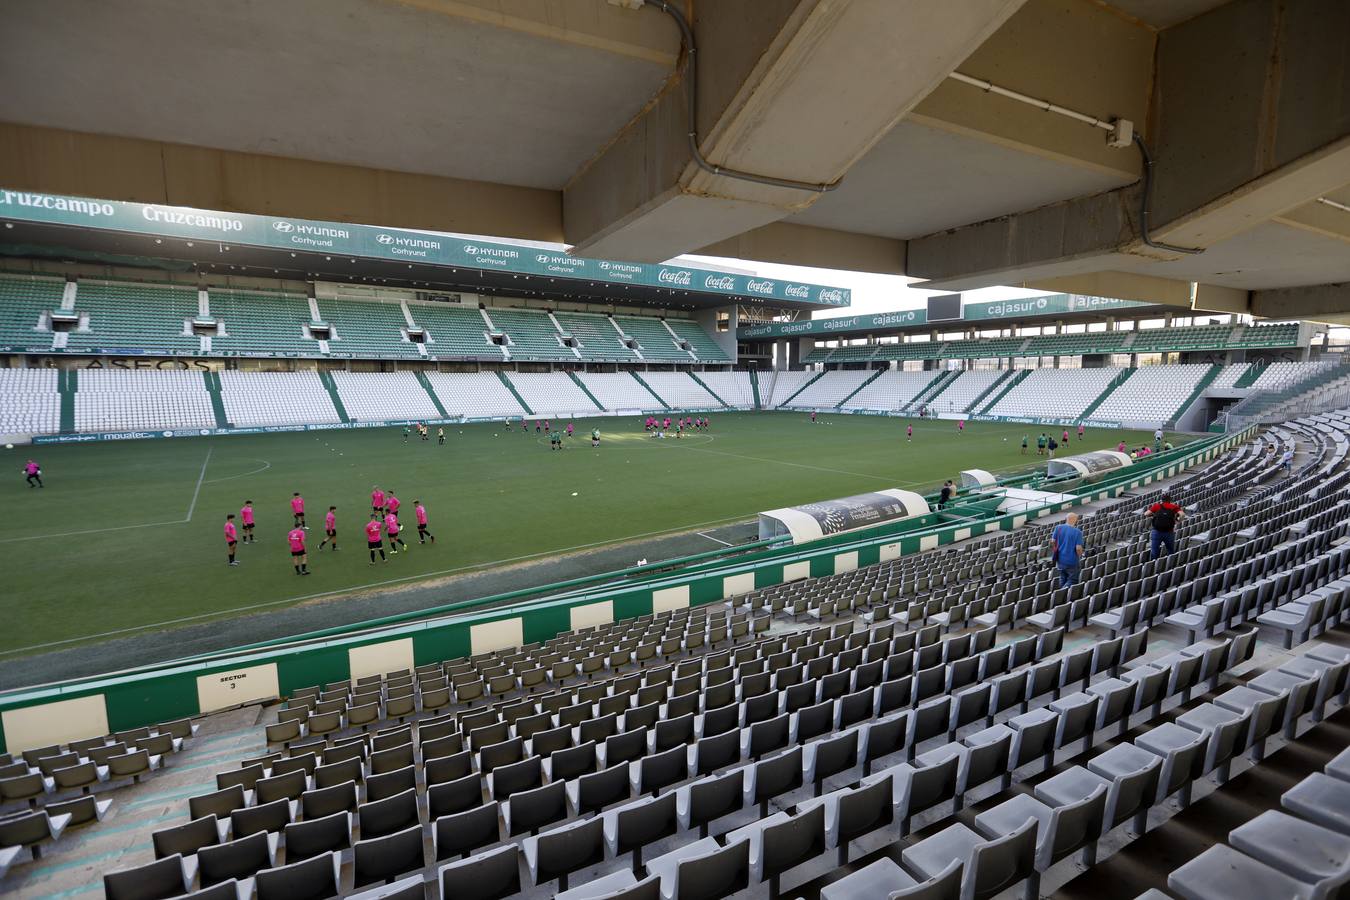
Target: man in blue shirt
{"x": 1067, "y": 542}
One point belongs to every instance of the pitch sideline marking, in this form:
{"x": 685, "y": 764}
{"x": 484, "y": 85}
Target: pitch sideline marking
{"x": 422, "y": 576}
{"x": 38, "y": 537}
{"x": 718, "y": 540}
{"x": 193, "y": 505}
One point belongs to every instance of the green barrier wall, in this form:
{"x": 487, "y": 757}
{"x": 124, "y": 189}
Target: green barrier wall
{"x": 39, "y": 716}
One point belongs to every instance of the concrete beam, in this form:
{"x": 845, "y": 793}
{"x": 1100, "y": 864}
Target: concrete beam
{"x": 1239, "y": 139}
{"x": 1148, "y": 289}
{"x": 114, "y": 168}
{"x": 1319, "y": 303}
{"x": 805, "y": 245}
{"x": 793, "y": 89}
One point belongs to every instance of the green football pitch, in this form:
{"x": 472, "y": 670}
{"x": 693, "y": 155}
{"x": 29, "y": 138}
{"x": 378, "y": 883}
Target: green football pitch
{"x": 128, "y": 536}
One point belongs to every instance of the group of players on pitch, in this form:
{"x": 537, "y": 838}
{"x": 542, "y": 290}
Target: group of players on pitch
{"x": 384, "y": 522}
{"x": 659, "y": 428}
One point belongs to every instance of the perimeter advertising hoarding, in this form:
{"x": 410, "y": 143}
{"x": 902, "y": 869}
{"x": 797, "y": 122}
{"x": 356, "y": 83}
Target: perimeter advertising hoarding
{"x": 373, "y": 242}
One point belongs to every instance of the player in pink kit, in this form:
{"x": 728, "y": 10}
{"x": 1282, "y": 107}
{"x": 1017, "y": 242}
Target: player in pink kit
{"x": 391, "y": 528}
{"x": 298, "y": 509}
{"x": 231, "y": 537}
{"x": 246, "y": 518}
{"x": 909, "y": 432}
{"x": 373, "y": 541}
{"x": 33, "y": 472}
{"x": 329, "y": 528}
{"x": 296, "y": 538}
{"x": 377, "y": 500}
{"x": 420, "y": 512}
{"x": 391, "y": 503}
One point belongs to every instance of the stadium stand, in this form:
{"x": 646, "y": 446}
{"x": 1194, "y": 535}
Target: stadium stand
{"x": 655, "y": 342}
{"x": 700, "y": 342}
{"x": 1281, "y": 375}
{"x": 532, "y": 334}
{"x": 891, "y": 390}
{"x": 785, "y": 384}
{"x": 596, "y": 335}
{"x": 679, "y": 390}
{"x": 733, "y": 388}
{"x": 121, "y": 399}
{"x": 475, "y": 394}
{"x": 25, "y": 302}
{"x": 1055, "y": 393}
{"x": 964, "y": 390}
{"x": 552, "y": 394}
{"x": 275, "y": 398}
{"x": 831, "y": 388}
{"x": 455, "y": 331}
{"x": 130, "y": 315}
{"x": 1230, "y": 376}
{"x": 371, "y": 397}
{"x": 29, "y": 402}
{"x": 266, "y": 323}
{"x": 720, "y": 746}
{"x": 617, "y": 390}
{"x": 1152, "y": 393}
{"x": 372, "y": 328}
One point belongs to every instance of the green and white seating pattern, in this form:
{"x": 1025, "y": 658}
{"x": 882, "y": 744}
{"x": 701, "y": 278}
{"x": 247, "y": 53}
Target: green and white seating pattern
{"x": 262, "y": 322}
{"x": 455, "y": 331}
{"x": 733, "y": 387}
{"x": 1055, "y": 393}
{"x": 1277, "y": 376}
{"x": 552, "y": 394}
{"x": 1229, "y": 376}
{"x": 1151, "y": 393}
{"x": 598, "y": 337}
{"x": 830, "y": 389}
{"x": 891, "y": 391}
{"x": 275, "y": 398}
{"x": 23, "y": 300}
{"x": 532, "y": 335}
{"x": 654, "y": 341}
{"x": 679, "y": 390}
{"x": 704, "y": 347}
{"x": 618, "y": 390}
{"x": 367, "y": 329}
{"x": 785, "y": 384}
{"x": 29, "y": 403}
{"x": 372, "y": 396}
{"x": 119, "y": 399}
{"x": 474, "y": 394}
{"x": 131, "y": 315}
{"x": 962, "y": 392}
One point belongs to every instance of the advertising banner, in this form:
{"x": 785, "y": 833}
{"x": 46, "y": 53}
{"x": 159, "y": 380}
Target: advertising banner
{"x": 373, "y": 242}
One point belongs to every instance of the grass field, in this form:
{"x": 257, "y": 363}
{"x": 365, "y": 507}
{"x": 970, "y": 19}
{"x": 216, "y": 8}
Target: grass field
{"x": 128, "y": 535}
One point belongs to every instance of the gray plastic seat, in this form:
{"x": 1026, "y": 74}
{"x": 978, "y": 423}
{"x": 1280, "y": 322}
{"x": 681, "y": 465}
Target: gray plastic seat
{"x": 487, "y": 876}
{"x": 703, "y": 870}
{"x": 464, "y": 832}
{"x": 1321, "y": 799}
{"x": 454, "y": 796}
{"x": 315, "y": 836}
{"x": 186, "y": 839}
{"x": 316, "y": 878}
{"x": 1183, "y": 754}
{"x": 272, "y": 816}
{"x": 559, "y": 852}
{"x": 322, "y": 802}
{"x": 1128, "y": 796}
{"x": 1226, "y": 729}
{"x": 919, "y": 788}
{"x": 885, "y": 879}
{"x": 531, "y": 810}
{"x": 704, "y": 801}
{"x": 1297, "y": 848}
{"x": 633, "y": 826}
{"x": 1061, "y": 829}
{"x": 1266, "y": 714}
{"x": 389, "y": 815}
{"x": 1222, "y": 873}
{"x": 217, "y": 803}
{"x": 1339, "y": 767}
{"x": 619, "y": 885}
{"x": 659, "y": 770}
{"x": 594, "y": 792}
{"x": 773, "y": 777}
{"x": 389, "y": 856}
{"x": 158, "y": 880}
{"x": 851, "y": 813}
{"x": 988, "y": 866}
{"x": 240, "y": 858}
{"x": 410, "y": 888}
{"x": 829, "y": 756}
{"x": 82, "y": 810}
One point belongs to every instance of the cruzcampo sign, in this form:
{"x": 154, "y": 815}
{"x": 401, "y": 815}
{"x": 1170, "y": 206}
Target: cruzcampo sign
{"x": 373, "y": 242}
{"x": 1049, "y": 305}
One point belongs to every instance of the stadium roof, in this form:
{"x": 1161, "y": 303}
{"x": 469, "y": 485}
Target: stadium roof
{"x": 962, "y": 143}
{"x": 979, "y": 315}
{"x": 79, "y": 227}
